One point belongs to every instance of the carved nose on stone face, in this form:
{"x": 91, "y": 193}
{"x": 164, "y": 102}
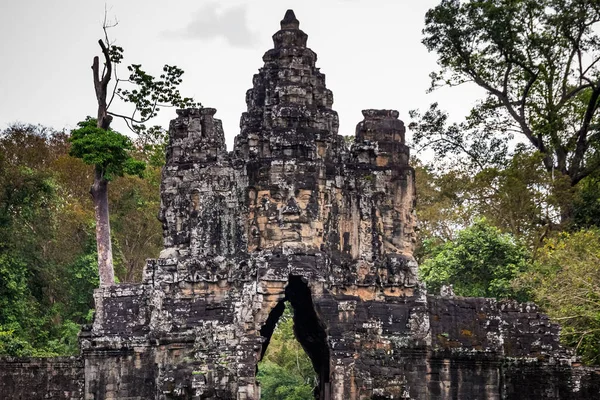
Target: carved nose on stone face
{"x": 291, "y": 208}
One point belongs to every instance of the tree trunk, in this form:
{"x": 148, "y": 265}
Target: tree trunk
{"x": 99, "y": 192}
{"x": 566, "y": 215}
{"x": 565, "y": 192}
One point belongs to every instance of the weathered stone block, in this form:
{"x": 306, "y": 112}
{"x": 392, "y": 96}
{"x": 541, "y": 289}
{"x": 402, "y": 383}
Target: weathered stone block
{"x": 294, "y": 214}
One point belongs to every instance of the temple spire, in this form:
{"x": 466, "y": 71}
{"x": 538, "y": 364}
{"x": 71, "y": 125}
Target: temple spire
{"x": 290, "y": 21}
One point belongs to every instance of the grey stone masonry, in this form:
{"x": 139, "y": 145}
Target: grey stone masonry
{"x": 296, "y": 214}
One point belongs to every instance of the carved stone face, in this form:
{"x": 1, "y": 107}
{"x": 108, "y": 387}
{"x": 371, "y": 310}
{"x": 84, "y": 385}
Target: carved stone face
{"x": 288, "y": 217}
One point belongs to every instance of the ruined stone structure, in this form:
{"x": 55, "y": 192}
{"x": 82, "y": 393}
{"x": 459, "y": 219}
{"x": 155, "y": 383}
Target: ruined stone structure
{"x": 296, "y": 214}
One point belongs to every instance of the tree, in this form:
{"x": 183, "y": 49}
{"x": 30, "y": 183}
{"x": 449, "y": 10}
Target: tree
{"x": 537, "y": 60}
{"x": 44, "y": 294}
{"x": 108, "y": 151}
{"x": 566, "y": 282}
{"x": 48, "y": 257}
{"x": 137, "y": 233}
{"x": 442, "y": 202}
{"x": 587, "y": 203}
{"x": 285, "y": 371}
{"x": 147, "y": 96}
{"x": 481, "y": 262}
{"x": 517, "y": 196}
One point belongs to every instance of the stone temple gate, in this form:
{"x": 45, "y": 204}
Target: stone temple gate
{"x": 295, "y": 214}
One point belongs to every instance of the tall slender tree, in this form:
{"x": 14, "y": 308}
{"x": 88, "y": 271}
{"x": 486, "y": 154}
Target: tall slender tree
{"x": 97, "y": 144}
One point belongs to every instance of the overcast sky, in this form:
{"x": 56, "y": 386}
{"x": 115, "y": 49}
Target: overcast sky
{"x": 370, "y": 51}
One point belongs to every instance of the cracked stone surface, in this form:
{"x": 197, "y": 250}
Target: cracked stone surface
{"x": 296, "y": 214}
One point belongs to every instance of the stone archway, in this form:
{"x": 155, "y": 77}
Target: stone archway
{"x": 293, "y": 214}
{"x": 309, "y": 329}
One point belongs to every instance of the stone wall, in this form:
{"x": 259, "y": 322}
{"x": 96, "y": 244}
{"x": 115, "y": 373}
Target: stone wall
{"x": 208, "y": 338}
{"x": 296, "y": 214}
{"x": 41, "y": 378}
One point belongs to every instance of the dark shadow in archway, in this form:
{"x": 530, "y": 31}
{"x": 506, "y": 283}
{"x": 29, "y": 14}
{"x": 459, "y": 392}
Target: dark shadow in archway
{"x": 308, "y": 329}
{"x": 269, "y": 327}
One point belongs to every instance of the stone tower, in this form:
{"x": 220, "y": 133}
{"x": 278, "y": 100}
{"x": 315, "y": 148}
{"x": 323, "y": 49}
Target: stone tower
{"x": 295, "y": 214}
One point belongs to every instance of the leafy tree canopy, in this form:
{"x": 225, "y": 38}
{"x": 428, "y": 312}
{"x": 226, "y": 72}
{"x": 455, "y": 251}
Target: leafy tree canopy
{"x": 107, "y": 150}
{"x": 48, "y": 259}
{"x": 37, "y": 245}
{"x": 481, "y": 262}
{"x": 518, "y": 196}
{"x": 587, "y": 203}
{"x": 566, "y": 282}
{"x": 538, "y": 62}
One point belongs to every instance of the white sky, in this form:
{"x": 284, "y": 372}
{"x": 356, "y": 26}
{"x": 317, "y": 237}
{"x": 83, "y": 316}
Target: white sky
{"x": 370, "y": 51}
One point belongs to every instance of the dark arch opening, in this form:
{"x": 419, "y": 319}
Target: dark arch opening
{"x": 309, "y": 331}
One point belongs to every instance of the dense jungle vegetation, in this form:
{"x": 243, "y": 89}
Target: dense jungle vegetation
{"x": 491, "y": 233}
{"x": 48, "y": 260}
{"x": 512, "y": 211}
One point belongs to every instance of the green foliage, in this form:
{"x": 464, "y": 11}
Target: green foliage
{"x": 151, "y": 145}
{"x": 82, "y": 279}
{"x": 586, "y": 206}
{"x": 481, "y": 262}
{"x": 537, "y": 61}
{"x": 150, "y": 92}
{"x": 63, "y": 341}
{"x": 107, "y": 150}
{"x": 566, "y": 282}
{"x": 13, "y": 289}
{"x": 25, "y": 198}
{"x": 282, "y": 384}
{"x": 518, "y": 196}
{"x": 136, "y": 232}
{"x": 286, "y": 372}
{"x": 34, "y": 309}
{"x": 48, "y": 264}
{"x": 147, "y": 93}
{"x": 25, "y": 330}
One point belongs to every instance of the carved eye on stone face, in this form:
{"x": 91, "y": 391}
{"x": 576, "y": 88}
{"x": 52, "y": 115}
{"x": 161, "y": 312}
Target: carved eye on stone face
{"x": 276, "y": 197}
{"x": 305, "y": 196}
